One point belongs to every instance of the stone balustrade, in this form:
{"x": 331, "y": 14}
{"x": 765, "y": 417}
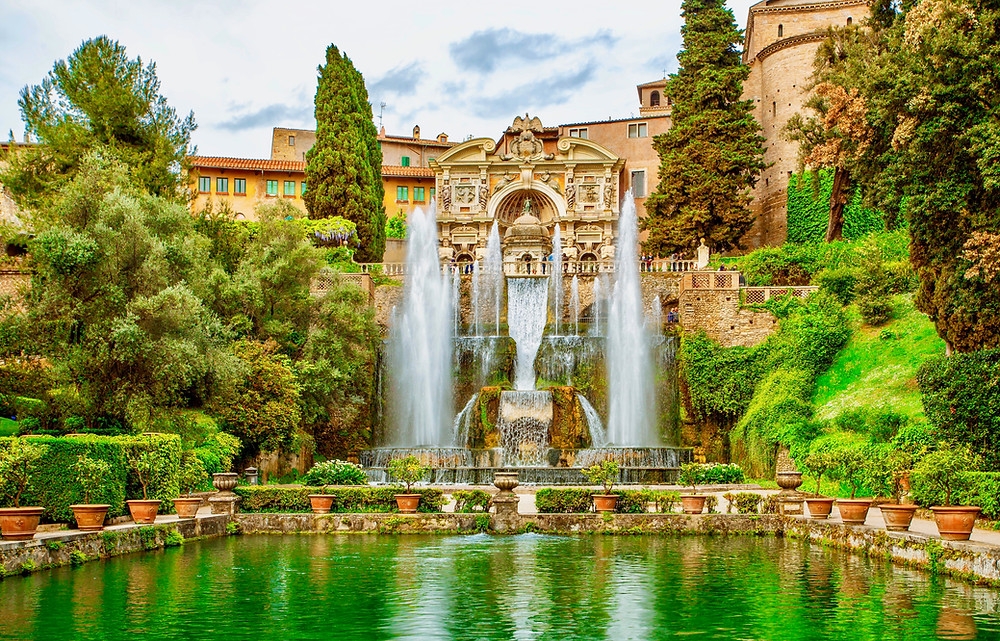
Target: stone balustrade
{"x": 539, "y": 268}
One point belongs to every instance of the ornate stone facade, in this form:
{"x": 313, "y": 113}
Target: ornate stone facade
{"x": 570, "y": 182}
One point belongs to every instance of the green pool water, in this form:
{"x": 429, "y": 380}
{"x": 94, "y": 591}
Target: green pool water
{"x": 482, "y": 588}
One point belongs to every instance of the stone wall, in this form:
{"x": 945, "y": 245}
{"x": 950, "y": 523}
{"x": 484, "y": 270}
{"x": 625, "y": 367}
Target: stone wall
{"x": 17, "y": 557}
{"x": 719, "y": 314}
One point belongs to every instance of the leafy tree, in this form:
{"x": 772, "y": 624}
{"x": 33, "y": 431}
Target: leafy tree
{"x": 263, "y": 410}
{"x": 344, "y": 167}
{"x": 395, "y": 227}
{"x": 713, "y": 153}
{"x": 337, "y": 372}
{"x": 98, "y": 100}
{"x": 923, "y": 70}
{"x": 115, "y": 301}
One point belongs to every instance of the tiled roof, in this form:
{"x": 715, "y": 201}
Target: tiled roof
{"x": 252, "y": 164}
{"x": 425, "y": 142}
{"x": 407, "y": 172}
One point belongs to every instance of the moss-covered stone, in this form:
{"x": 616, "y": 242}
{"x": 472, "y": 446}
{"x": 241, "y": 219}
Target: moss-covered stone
{"x": 569, "y": 424}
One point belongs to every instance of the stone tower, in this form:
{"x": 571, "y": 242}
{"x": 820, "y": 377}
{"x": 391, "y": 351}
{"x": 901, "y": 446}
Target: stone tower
{"x": 782, "y": 37}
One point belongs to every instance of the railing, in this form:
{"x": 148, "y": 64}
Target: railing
{"x": 539, "y": 268}
{"x": 733, "y": 281}
{"x": 324, "y": 282}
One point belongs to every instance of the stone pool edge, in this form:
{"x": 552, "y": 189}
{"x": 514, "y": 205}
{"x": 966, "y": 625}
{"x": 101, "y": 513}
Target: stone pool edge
{"x": 974, "y": 562}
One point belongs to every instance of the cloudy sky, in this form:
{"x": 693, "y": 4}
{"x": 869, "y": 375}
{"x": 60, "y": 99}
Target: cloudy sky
{"x": 464, "y": 68}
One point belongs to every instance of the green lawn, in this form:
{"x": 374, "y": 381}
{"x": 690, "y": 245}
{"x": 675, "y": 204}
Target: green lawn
{"x": 878, "y": 366}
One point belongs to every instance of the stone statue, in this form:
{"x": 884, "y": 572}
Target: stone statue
{"x": 525, "y": 146}
{"x": 609, "y": 195}
{"x": 484, "y": 195}
{"x": 526, "y": 210}
{"x": 570, "y": 196}
{"x": 446, "y": 198}
{"x": 506, "y": 180}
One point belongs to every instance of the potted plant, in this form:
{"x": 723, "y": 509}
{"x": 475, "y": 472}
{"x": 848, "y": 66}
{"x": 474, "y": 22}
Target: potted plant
{"x": 818, "y": 464}
{"x": 143, "y": 511}
{"x": 942, "y": 470}
{"x": 17, "y": 463}
{"x": 408, "y": 470}
{"x": 888, "y": 471}
{"x": 90, "y": 473}
{"x": 322, "y": 503}
{"x": 851, "y": 463}
{"x": 693, "y": 503}
{"x": 604, "y": 474}
{"x": 190, "y": 476}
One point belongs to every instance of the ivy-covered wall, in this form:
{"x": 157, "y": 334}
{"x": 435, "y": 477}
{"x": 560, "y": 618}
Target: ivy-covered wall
{"x": 809, "y": 210}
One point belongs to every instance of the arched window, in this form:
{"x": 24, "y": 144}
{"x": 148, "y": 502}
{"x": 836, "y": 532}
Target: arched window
{"x": 849, "y": 21}
{"x": 781, "y": 30}
{"x": 654, "y": 99}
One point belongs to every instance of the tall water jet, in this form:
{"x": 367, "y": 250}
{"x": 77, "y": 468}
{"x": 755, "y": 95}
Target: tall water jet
{"x": 595, "y": 308}
{"x": 574, "y": 303}
{"x": 631, "y": 401}
{"x": 476, "y": 305}
{"x": 527, "y": 303}
{"x": 655, "y": 318}
{"x": 420, "y": 346}
{"x": 494, "y": 274}
{"x": 555, "y": 277}
{"x": 456, "y": 301}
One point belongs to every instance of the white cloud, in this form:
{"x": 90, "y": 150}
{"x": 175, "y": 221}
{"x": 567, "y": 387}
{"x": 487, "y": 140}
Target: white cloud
{"x": 246, "y": 67}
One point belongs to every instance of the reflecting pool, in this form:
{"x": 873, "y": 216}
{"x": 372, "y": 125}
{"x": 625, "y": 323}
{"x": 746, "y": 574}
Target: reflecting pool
{"x": 480, "y": 587}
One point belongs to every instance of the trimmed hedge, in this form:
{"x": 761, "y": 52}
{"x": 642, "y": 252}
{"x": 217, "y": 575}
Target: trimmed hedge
{"x": 271, "y": 498}
{"x": 576, "y": 500}
{"x": 55, "y": 488}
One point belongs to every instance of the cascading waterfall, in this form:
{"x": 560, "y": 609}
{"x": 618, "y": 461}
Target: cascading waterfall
{"x": 527, "y": 300}
{"x": 420, "y": 347}
{"x": 631, "y": 401}
{"x": 598, "y": 438}
{"x": 555, "y": 277}
{"x": 493, "y": 269}
{"x": 524, "y": 421}
{"x": 574, "y": 303}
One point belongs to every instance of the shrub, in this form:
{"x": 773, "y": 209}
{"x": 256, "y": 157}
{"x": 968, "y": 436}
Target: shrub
{"x": 875, "y": 309}
{"x": 604, "y": 474}
{"x": 960, "y": 394}
{"x": 851, "y": 464}
{"x": 335, "y": 473}
{"x": 191, "y": 474}
{"x": 746, "y": 502}
{"x": 633, "y": 501}
{"x": 468, "y": 501}
{"x": 90, "y": 473}
{"x": 818, "y": 464}
{"x": 689, "y": 475}
{"x": 56, "y": 490}
{"x": 346, "y": 499}
{"x": 550, "y": 500}
{"x": 217, "y": 452}
{"x": 839, "y": 283}
{"x": 408, "y": 469}
{"x": 18, "y": 463}
{"x": 942, "y": 472}
{"x": 711, "y": 504}
{"x": 666, "y": 500}
{"x": 720, "y": 474}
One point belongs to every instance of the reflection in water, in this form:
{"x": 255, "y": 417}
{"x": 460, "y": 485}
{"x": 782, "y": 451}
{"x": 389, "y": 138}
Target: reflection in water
{"x": 482, "y": 588}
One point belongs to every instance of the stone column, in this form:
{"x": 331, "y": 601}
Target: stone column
{"x": 505, "y": 517}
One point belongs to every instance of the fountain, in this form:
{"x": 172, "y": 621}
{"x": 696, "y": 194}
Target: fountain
{"x": 469, "y": 400}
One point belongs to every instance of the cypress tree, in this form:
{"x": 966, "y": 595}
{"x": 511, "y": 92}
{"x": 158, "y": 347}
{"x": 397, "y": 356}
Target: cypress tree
{"x": 344, "y": 166}
{"x": 712, "y": 154}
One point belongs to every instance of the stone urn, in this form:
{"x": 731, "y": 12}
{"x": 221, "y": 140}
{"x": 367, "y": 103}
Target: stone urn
{"x": 505, "y": 481}
{"x": 788, "y": 481}
{"x": 224, "y": 481}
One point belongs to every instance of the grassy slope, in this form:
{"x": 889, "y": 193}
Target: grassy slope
{"x": 880, "y": 372}
{"x": 8, "y": 427}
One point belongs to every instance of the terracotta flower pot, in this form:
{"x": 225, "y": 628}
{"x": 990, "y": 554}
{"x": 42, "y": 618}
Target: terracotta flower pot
{"x": 897, "y": 517}
{"x": 90, "y": 517}
{"x": 819, "y": 508}
{"x": 143, "y": 511}
{"x": 854, "y": 511}
{"x": 408, "y": 503}
{"x": 693, "y": 503}
{"x": 187, "y": 506}
{"x": 19, "y": 523}
{"x": 604, "y": 502}
{"x": 955, "y": 522}
{"x": 321, "y": 503}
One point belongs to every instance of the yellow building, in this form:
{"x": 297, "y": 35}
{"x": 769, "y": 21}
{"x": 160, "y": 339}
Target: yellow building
{"x": 244, "y": 183}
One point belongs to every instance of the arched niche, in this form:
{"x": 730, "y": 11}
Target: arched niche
{"x": 546, "y": 204}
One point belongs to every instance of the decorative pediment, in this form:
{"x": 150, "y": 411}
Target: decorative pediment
{"x": 581, "y": 149}
{"x": 475, "y": 150}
